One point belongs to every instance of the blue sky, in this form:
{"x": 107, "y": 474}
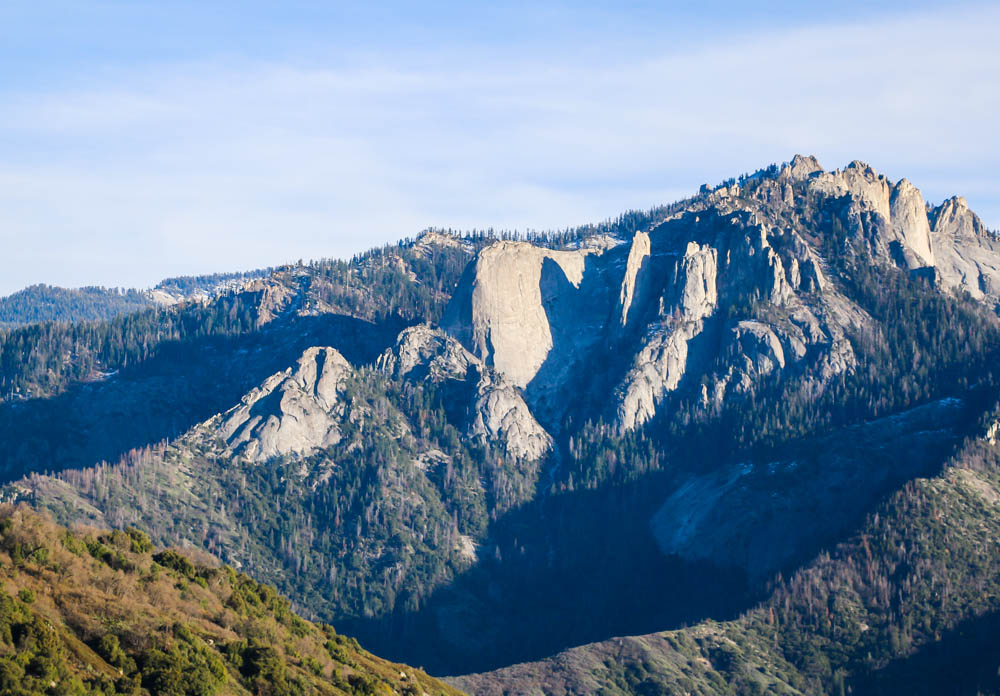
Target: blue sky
{"x": 140, "y": 140}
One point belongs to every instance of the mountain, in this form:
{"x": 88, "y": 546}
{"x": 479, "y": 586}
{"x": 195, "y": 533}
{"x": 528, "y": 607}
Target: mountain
{"x": 44, "y": 303}
{"x": 473, "y": 451}
{"x": 89, "y": 612}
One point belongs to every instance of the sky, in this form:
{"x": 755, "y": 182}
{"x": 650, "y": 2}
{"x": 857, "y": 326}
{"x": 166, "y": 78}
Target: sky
{"x": 143, "y": 140}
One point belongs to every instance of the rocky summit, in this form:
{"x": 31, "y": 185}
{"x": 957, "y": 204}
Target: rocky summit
{"x": 660, "y": 307}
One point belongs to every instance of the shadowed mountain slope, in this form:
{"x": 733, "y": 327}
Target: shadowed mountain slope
{"x": 906, "y": 604}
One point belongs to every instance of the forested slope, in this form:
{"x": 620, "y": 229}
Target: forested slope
{"x": 909, "y": 604}
{"x": 39, "y": 303}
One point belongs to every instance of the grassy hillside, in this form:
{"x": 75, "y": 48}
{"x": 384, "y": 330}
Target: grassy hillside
{"x": 85, "y": 612}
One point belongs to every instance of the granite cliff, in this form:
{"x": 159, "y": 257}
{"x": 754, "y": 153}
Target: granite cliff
{"x": 725, "y": 292}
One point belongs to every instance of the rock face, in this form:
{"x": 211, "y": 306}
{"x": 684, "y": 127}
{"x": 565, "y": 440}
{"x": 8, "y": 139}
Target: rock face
{"x": 490, "y": 405}
{"x": 297, "y": 411}
{"x": 908, "y": 216}
{"x": 422, "y": 352}
{"x": 728, "y": 290}
{"x": 892, "y": 217}
{"x": 648, "y": 314}
{"x": 547, "y": 320}
{"x": 691, "y": 297}
{"x": 500, "y": 414}
{"x": 636, "y": 264}
{"x": 530, "y": 313}
{"x": 950, "y": 239}
{"x": 516, "y": 300}
{"x": 709, "y": 271}
{"x": 302, "y": 409}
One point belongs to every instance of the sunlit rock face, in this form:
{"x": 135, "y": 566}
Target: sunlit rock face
{"x": 967, "y": 254}
{"x": 297, "y": 411}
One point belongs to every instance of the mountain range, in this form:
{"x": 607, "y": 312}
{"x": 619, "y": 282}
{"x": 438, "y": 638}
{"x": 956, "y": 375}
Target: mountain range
{"x": 754, "y": 430}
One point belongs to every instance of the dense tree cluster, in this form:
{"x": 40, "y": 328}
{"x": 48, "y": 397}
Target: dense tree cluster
{"x": 42, "y": 360}
{"x": 41, "y": 303}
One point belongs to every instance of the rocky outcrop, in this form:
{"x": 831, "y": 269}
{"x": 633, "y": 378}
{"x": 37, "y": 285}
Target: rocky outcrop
{"x": 662, "y": 360}
{"x": 908, "y": 216}
{"x": 737, "y": 265}
{"x": 648, "y": 316}
{"x": 800, "y": 168}
{"x": 759, "y": 351}
{"x": 294, "y": 412}
{"x": 422, "y": 352}
{"x": 891, "y": 217}
{"x": 968, "y": 255}
{"x": 899, "y": 228}
{"x": 533, "y": 314}
{"x": 508, "y": 325}
{"x": 497, "y": 313}
{"x": 430, "y": 240}
{"x": 500, "y": 414}
{"x": 637, "y": 262}
{"x": 490, "y": 405}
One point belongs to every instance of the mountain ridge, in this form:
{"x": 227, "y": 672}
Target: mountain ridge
{"x": 515, "y": 429}
{"x": 44, "y": 303}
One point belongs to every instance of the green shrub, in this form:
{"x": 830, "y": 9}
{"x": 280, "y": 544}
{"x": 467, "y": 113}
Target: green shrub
{"x": 141, "y": 542}
{"x": 110, "y": 649}
{"x": 265, "y": 669}
{"x": 175, "y": 561}
{"x": 11, "y": 676}
{"x": 185, "y": 669}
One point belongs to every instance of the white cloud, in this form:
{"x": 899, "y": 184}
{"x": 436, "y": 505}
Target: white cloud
{"x": 210, "y": 166}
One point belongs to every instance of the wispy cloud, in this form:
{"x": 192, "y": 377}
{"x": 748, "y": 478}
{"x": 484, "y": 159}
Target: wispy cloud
{"x": 208, "y": 165}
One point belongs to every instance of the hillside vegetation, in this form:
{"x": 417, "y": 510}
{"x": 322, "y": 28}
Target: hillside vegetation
{"x": 89, "y": 612}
